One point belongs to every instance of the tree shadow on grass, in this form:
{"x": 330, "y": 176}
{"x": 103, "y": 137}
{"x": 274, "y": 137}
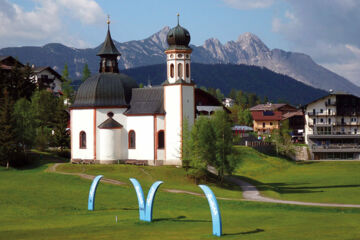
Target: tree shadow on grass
{"x": 179, "y": 219}
{"x": 37, "y": 159}
{"x": 258, "y": 230}
{"x": 291, "y": 187}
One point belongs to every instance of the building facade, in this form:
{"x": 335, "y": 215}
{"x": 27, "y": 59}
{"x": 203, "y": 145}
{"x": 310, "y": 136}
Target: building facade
{"x": 267, "y": 117}
{"x": 332, "y": 127}
{"x": 113, "y": 120}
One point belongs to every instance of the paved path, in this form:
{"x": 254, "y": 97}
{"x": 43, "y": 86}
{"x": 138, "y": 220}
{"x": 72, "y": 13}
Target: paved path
{"x": 249, "y": 191}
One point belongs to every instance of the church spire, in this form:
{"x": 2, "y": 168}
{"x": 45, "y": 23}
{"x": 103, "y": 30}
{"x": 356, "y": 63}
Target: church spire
{"x": 108, "y": 53}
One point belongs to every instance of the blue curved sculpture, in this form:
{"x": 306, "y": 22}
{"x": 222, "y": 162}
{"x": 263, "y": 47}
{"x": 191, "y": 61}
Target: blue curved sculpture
{"x": 92, "y": 192}
{"x": 215, "y": 211}
{"x": 140, "y": 197}
{"x": 145, "y": 211}
{"x": 150, "y": 200}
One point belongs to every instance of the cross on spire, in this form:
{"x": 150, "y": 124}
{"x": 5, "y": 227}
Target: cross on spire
{"x": 108, "y": 20}
{"x": 178, "y": 18}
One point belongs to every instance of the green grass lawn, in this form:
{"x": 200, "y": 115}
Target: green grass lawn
{"x": 333, "y": 182}
{"x": 39, "y": 205}
{"x": 173, "y": 177}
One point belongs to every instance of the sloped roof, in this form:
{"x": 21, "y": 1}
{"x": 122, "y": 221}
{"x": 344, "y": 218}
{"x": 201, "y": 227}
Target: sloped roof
{"x": 105, "y": 90}
{"x": 259, "y": 116}
{"x": 267, "y": 107}
{"x": 110, "y": 123}
{"x": 108, "y": 47}
{"x": 292, "y": 114}
{"x": 40, "y": 69}
{"x": 147, "y": 101}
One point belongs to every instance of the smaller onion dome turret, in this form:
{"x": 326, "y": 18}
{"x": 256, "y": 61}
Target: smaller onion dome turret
{"x": 178, "y": 38}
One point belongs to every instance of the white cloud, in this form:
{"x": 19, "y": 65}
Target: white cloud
{"x": 45, "y": 22}
{"x": 249, "y": 4}
{"x": 326, "y": 30}
{"x": 87, "y": 11}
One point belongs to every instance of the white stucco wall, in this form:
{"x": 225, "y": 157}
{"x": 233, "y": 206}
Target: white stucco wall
{"x": 144, "y": 131}
{"x": 173, "y": 122}
{"x": 121, "y": 146}
{"x": 109, "y": 144}
{"x": 160, "y": 125}
{"x": 82, "y": 120}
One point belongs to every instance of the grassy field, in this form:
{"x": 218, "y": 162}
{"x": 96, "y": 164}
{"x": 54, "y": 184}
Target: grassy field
{"x": 332, "y": 182}
{"x": 35, "y": 204}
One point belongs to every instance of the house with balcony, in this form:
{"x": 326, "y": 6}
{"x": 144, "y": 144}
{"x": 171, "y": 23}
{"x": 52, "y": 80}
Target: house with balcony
{"x": 269, "y": 116}
{"x": 332, "y": 127}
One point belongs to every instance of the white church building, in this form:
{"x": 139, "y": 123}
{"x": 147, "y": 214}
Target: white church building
{"x": 113, "y": 120}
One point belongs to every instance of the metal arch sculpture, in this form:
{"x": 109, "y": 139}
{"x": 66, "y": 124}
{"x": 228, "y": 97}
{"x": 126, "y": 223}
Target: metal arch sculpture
{"x": 92, "y": 192}
{"x": 215, "y": 211}
{"x": 145, "y": 211}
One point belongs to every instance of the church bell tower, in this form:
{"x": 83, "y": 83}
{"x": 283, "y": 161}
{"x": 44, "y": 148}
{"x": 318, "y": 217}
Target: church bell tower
{"x": 108, "y": 54}
{"x": 179, "y": 91}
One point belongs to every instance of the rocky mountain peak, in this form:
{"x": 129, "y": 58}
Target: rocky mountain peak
{"x": 251, "y": 40}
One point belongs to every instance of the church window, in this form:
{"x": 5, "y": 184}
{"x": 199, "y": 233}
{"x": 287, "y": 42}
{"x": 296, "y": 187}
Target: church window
{"x": 132, "y": 139}
{"x": 180, "y": 70}
{"x": 187, "y": 70}
{"x": 171, "y": 70}
{"x": 82, "y": 140}
{"x": 161, "y": 139}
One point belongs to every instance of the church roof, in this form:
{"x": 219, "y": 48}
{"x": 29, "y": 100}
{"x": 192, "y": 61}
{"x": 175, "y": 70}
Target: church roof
{"x": 147, "y": 101}
{"x": 110, "y": 123}
{"x": 105, "y": 90}
{"x": 108, "y": 47}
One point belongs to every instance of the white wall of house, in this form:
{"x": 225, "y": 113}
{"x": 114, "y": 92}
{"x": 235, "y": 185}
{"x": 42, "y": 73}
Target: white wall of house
{"x": 82, "y": 120}
{"x": 144, "y": 132}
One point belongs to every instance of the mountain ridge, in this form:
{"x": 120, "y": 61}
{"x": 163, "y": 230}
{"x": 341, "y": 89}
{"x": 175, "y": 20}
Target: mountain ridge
{"x": 246, "y": 49}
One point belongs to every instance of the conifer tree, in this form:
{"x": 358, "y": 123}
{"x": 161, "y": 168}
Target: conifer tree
{"x": 66, "y": 85}
{"x": 25, "y": 123}
{"x": 61, "y": 136}
{"x": 8, "y": 144}
{"x": 86, "y": 73}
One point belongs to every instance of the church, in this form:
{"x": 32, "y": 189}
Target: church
{"x": 112, "y": 120}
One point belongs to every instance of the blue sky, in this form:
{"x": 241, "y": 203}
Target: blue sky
{"x": 327, "y": 30}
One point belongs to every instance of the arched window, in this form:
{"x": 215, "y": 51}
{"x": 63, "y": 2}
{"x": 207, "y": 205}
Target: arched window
{"x": 187, "y": 70}
{"x": 180, "y": 70}
{"x": 161, "y": 139}
{"x": 132, "y": 139}
{"x": 82, "y": 140}
{"x": 171, "y": 70}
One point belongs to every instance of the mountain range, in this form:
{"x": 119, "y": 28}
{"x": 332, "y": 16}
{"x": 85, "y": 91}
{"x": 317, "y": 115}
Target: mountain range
{"x": 248, "y": 49}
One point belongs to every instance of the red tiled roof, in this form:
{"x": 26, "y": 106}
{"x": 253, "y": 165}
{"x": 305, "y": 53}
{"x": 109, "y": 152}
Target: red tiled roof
{"x": 259, "y": 116}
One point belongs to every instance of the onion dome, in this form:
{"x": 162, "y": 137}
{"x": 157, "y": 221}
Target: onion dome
{"x": 105, "y": 90}
{"x": 178, "y": 38}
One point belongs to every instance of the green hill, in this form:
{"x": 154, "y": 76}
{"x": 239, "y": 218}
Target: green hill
{"x": 252, "y": 79}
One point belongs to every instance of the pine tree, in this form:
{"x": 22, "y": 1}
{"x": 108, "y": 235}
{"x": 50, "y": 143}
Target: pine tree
{"x": 25, "y": 123}
{"x": 8, "y": 144}
{"x": 86, "y": 73}
{"x": 61, "y": 136}
{"x": 66, "y": 85}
